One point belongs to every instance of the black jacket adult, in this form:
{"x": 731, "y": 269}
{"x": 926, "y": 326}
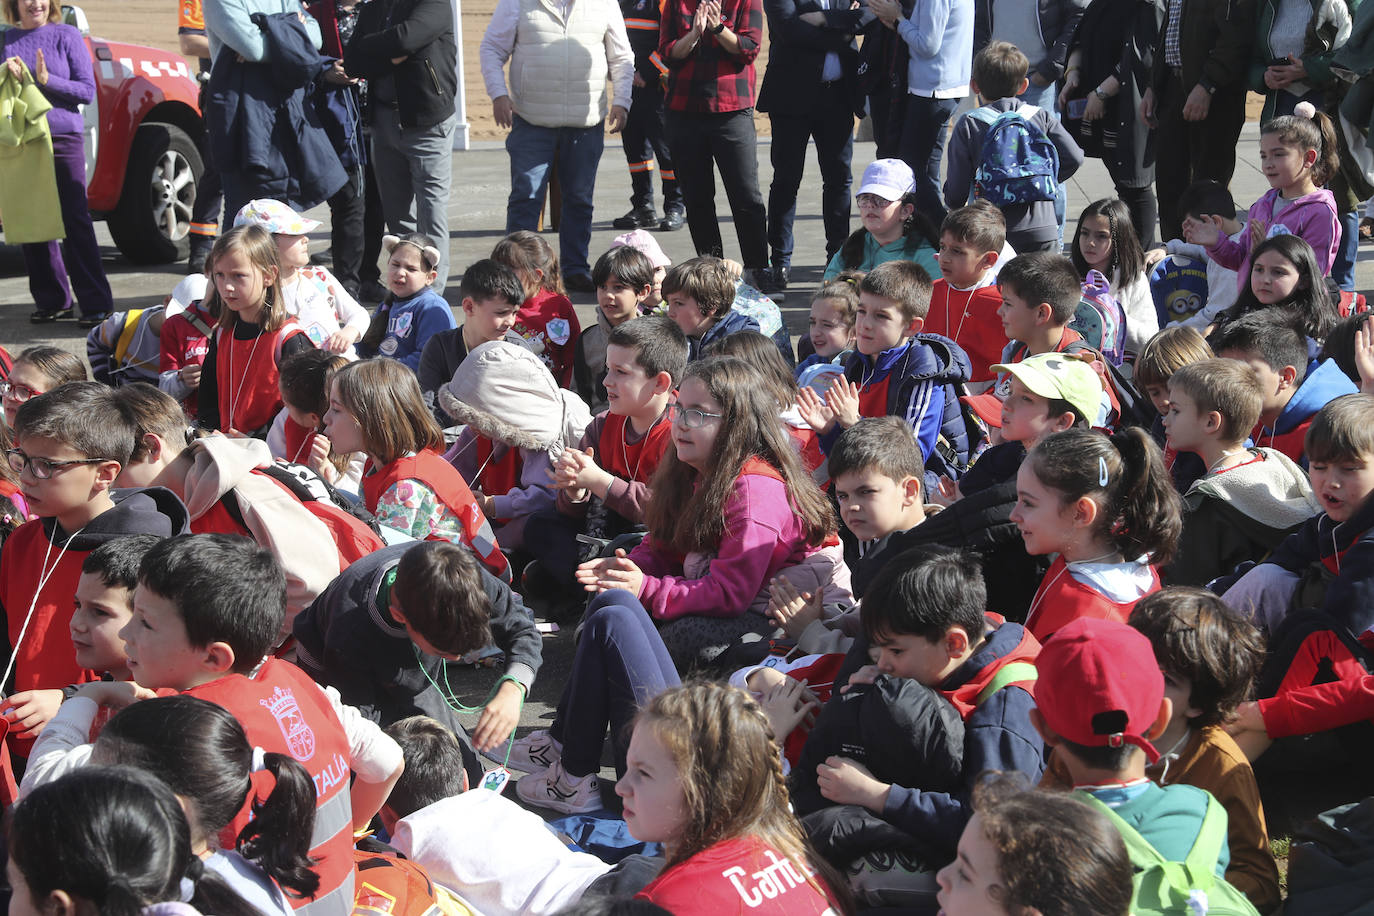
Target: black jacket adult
{"x": 796, "y": 56}
{"x": 1214, "y": 38}
{"x": 421, "y": 31}
{"x": 262, "y": 121}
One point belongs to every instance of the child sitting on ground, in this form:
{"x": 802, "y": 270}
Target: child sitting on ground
{"x": 1035, "y": 852}
{"x": 1248, "y": 500}
{"x": 892, "y": 230}
{"x": 375, "y": 409}
{"x": 518, "y": 421}
{"x": 516, "y": 865}
{"x": 192, "y": 312}
{"x": 898, "y": 371}
{"x": 1270, "y": 343}
{"x": 1209, "y": 656}
{"x": 35, "y": 371}
{"x": 1040, "y": 292}
{"x": 1106, "y": 506}
{"x": 1106, "y": 242}
{"x": 297, "y": 435}
{"x": 999, "y": 77}
{"x": 603, "y": 484}
{"x": 547, "y": 323}
{"x": 1100, "y": 704}
{"x": 385, "y": 629}
{"x": 332, "y": 318}
{"x": 492, "y": 295}
{"x": 206, "y": 611}
{"x": 74, "y": 441}
{"x": 700, "y": 293}
{"x": 965, "y": 301}
{"x": 412, "y": 312}
{"x": 925, "y": 617}
{"x": 624, "y": 279}
{"x": 1163, "y": 355}
{"x": 830, "y": 329}
{"x": 127, "y": 346}
{"x": 1205, "y": 200}
{"x": 1284, "y": 273}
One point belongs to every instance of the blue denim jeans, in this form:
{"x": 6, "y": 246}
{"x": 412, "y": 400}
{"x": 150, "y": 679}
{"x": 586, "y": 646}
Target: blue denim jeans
{"x": 577, "y": 150}
{"x": 621, "y": 663}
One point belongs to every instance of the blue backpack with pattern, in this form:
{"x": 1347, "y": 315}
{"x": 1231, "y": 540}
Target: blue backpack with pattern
{"x": 1019, "y": 164}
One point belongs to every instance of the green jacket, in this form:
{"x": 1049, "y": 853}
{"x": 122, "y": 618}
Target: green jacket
{"x": 1328, "y": 30}
{"x": 29, "y": 205}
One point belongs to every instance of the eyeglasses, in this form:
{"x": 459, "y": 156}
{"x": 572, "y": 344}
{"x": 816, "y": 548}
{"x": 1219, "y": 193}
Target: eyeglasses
{"x": 873, "y": 200}
{"x": 690, "y": 417}
{"x": 16, "y": 391}
{"x": 43, "y": 468}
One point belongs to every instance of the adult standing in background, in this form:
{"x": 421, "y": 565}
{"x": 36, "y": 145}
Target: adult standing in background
{"x": 191, "y": 41}
{"x": 810, "y": 91}
{"x": 1040, "y": 29}
{"x": 1196, "y": 97}
{"x": 710, "y": 47}
{"x": 560, "y": 53}
{"x": 57, "y": 59}
{"x": 405, "y": 51}
{"x": 939, "y": 38}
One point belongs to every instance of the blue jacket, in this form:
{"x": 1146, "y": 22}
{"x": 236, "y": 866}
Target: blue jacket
{"x": 731, "y": 323}
{"x": 262, "y": 122}
{"x": 998, "y": 735}
{"x": 1320, "y": 386}
{"x": 410, "y": 324}
{"x": 1321, "y": 546}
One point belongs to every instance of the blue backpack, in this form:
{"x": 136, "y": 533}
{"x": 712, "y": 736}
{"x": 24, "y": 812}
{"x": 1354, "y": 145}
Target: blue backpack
{"x": 1019, "y": 164}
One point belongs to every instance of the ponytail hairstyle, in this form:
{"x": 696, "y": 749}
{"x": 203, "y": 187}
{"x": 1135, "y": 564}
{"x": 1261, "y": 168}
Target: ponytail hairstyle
{"x": 687, "y": 512}
{"x": 201, "y": 751}
{"x": 384, "y": 397}
{"x": 254, "y": 243}
{"x": 1310, "y": 300}
{"x": 116, "y": 838}
{"x": 1127, "y": 258}
{"x": 1139, "y": 511}
{"x": 729, "y": 763}
{"x": 917, "y": 229}
{"x": 526, "y": 252}
{"x": 1305, "y": 129}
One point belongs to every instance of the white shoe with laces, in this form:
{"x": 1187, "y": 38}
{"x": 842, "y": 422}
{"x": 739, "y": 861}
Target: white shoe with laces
{"x": 534, "y": 753}
{"x": 556, "y": 790}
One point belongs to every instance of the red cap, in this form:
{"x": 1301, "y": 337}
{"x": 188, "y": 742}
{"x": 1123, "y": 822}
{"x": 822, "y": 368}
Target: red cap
{"x": 1099, "y": 685}
{"x": 987, "y": 406}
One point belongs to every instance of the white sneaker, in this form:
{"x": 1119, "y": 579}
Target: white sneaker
{"x": 534, "y": 753}
{"x": 556, "y": 790}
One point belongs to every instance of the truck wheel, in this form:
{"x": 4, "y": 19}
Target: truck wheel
{"x": 151, "y": 223}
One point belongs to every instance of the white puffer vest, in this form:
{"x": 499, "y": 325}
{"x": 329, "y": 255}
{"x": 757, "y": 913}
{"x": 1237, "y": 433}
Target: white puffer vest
{"x": 558, "y": 68}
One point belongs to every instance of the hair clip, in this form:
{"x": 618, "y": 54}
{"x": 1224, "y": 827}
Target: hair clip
{"x": 1305, "y": 110}
{"x": 1102, "y": 476}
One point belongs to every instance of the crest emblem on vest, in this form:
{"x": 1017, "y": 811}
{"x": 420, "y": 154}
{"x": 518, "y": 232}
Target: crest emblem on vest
{"x": 300, "y": 737}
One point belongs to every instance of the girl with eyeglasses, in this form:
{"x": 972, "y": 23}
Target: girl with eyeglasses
{"x": 732, "y": 507}
{"x": 892, "y": 228}
{"x": 38, "y": 370}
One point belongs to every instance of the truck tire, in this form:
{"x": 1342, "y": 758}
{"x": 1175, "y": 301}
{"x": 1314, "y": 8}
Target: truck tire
{"x": 152, "y": 221}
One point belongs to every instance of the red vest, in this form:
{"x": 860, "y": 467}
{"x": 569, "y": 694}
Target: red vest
{"x": 1062, "y": 599}
{"x": 1290, "y": 443}
{"x": 283, "y": 711}
{"x": 634, "y": 461}
{"x": 246, "y": 376}
{"x": 46, "y": 656}
{"x": 969, "y": 318}
{"x": 297, "y": 439}
{"x": 873, "y": 398}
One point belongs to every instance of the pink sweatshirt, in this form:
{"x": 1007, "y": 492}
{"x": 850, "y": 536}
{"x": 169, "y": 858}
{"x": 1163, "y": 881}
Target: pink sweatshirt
{"x": 1311, "y": 217}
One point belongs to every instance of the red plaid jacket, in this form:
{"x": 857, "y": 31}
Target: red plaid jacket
{"x": 710, "y": 79}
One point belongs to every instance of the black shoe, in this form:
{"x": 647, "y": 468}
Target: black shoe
{"x": 90, "y": 321}
{"x": 325, "y": 258}
{"x": 372, "y": 291}
{"x": 579, "y": 283}
{"x": 41, "y": 317}
{"x": 200, "y": 249}
{"x": 773, "y": 282}
{"x": 639, "y": 218}
{"x": 673, "y": 220}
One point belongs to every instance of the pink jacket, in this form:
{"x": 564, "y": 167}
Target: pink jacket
{"x": 1312, "y": 217}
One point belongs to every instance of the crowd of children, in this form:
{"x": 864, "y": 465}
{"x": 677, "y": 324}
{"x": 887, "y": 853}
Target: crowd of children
{"x": 987, "y": 606}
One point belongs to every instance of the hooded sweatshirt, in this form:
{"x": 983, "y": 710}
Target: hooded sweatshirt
{"x": 1239, "y": 514}
{"x": 1311, "y": 216}
{"x": 39, "y": 569}
{"x": 221, "y": 470}
{"x": 505, "y": 395}
{"x": 1322, "y": 385}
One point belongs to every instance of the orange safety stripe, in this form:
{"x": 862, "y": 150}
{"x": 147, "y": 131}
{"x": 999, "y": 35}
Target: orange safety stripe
{"x": 658, "y": 63}
{"x": 641, "y": 167}
{"x": 668, "y": 175}
{"x": 646, "y": 24}
{"x": 204, "y": 229}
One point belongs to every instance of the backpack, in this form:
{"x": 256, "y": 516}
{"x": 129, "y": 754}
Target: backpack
{"x": 1023, "y": 673}
{"x": 1018, "y": 163}
{"x": 308, "y": 486}
{"x": 1100, "y": 320}
{"x": 1187, "y": 888}
{"x": 1178, "y": 285}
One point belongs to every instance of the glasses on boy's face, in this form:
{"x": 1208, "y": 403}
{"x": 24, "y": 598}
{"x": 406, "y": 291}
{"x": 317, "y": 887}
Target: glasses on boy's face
{"x": 43, "y": 468}
{"x": 17, "y": 392}
{"x": 690, "y": 417}
{"x": 874, "y": 201}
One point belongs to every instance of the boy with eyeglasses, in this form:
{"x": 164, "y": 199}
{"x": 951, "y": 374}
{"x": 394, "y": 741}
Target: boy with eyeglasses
{"x": 70, "y": 445}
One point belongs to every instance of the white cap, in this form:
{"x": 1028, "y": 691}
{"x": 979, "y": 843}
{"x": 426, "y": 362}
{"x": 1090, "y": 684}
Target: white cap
{"x": 890, "y": 179}
{"x": 192, "y": 288}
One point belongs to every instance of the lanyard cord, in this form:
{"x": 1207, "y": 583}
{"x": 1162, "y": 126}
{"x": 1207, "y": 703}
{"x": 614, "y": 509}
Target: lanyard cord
{"x": 451, "y": 700}
{"x": 45, "y": 573}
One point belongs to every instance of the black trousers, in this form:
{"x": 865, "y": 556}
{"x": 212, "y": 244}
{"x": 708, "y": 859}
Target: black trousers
{"x": 701, "y": 143}
{"x": 831, "y": 122}
{"x": 644, "y": 140}
{"x": 1188, "y": 151}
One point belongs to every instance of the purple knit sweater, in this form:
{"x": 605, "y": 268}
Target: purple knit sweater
{"x": 70, "y": 80}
